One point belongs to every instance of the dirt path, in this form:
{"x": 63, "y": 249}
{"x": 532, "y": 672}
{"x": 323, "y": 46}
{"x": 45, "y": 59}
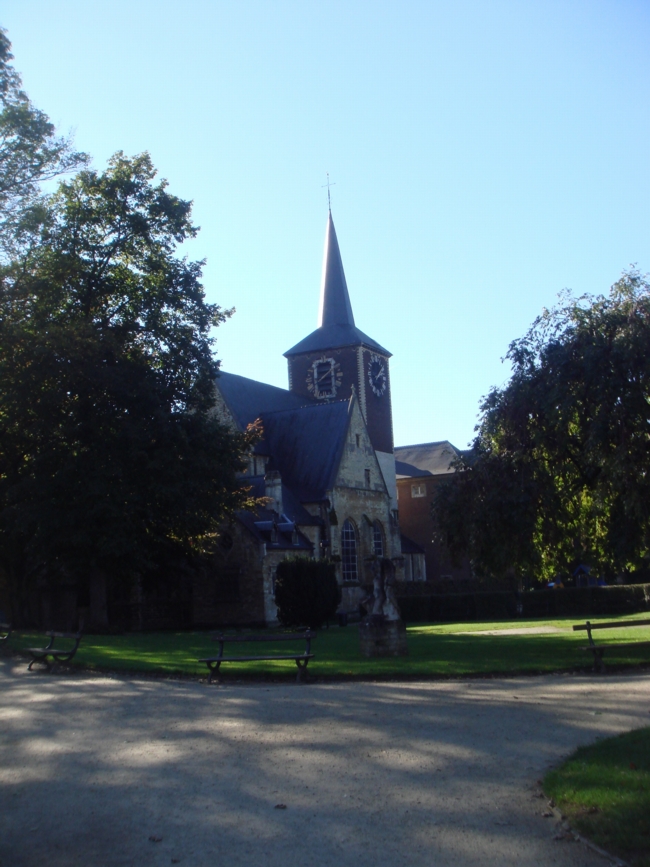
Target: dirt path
{"x": 115, "y": 771}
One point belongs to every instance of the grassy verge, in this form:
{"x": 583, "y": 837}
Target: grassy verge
{"x": 442, "y": 650}
{"x": 604, "y": 790}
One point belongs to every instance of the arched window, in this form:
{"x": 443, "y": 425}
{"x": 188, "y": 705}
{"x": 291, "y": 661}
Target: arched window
{"x": 377, "y": 539}
{"x": 349, "y": 551}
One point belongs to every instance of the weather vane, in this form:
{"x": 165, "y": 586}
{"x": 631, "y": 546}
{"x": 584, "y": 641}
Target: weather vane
{"x": 328, "y": 185}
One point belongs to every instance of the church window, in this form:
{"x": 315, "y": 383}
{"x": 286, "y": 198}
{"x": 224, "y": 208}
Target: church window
{"x": 358, "y": 437}
{"x": 367, "y": 477}
{"x": 418, "y": 490}
{"x": 377, "y": 539}
{"x": 349, "y": 551}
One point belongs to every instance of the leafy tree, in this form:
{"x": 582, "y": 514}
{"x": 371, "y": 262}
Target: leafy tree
{"x": 30, "y": 153}
{"x": 306, "y": 592}
{"x": 109, "y": 455}
{"x": 560, "y": 469}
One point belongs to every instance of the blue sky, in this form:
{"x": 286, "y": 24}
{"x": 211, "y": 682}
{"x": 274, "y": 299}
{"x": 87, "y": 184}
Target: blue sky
{"x": 485, "y": 155}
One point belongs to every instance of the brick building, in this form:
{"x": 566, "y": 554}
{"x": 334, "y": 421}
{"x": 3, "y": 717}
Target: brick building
{"x": 420, "y": 470}
{"x": 325, "y": 464}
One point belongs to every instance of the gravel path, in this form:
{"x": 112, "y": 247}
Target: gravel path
{"x": 101, "y": 771}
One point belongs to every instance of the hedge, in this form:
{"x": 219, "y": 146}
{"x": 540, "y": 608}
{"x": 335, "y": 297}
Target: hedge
{"x": 503, "y": 605}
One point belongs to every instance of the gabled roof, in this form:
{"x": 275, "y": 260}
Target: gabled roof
{"x": 306, "y": 446}
{"x": 248, "y": 398}
{"x": 426, "y": 459}
{"x": 336, "y": 326}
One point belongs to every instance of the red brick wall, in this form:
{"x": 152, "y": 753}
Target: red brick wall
{"x": 417, "y": 524}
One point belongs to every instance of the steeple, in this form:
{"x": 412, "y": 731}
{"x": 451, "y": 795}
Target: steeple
{"x": 336, "y": 327}
{"x": 335, "y": 307}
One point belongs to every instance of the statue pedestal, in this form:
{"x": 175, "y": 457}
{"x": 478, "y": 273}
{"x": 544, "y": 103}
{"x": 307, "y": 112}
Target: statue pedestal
{"x": 383, "y": 639}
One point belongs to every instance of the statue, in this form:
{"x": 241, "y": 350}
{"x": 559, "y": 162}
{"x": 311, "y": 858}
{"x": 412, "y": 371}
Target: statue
{"x": 382, "y": 632}
{"x": 380, "y": 601}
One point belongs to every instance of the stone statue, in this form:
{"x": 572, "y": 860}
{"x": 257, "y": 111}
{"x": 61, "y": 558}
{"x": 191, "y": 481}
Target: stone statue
{"x": 381, "y": 632}
{"x": 380, "y": 602}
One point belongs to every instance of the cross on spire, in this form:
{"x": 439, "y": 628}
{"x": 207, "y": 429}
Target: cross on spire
{"x": 328, "y": 185}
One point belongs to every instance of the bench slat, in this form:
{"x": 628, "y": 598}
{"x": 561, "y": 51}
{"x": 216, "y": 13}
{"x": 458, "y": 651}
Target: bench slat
{"x": 256, "y": 658}
{"x": 593, "y": 647}
{"x": 614, "y": 624}
{"x": 283, "y": 636}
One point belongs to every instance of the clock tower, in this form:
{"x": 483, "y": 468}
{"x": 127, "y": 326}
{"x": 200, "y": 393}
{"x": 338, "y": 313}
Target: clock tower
{"x": 337, "y": 356}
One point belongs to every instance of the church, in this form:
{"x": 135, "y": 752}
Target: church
{"x": 325, "y": 466}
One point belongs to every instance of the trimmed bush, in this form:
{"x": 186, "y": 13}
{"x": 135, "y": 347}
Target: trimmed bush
{"x": 306, "y": 592}
{"x": 578, "y": 602}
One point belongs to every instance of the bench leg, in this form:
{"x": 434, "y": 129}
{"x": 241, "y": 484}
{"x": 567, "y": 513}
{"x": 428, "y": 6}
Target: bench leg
{"x": 599, "y": 665}
{"x": 302, "y": 670}
{"x": 42, "y": 659}
{"x": 214, "y": 669}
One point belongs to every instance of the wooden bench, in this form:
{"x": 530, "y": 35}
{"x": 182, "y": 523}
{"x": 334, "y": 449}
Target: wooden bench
{"x": 57, "y": 654}
{"x": 598, "y": 650}
{"x": 301, "y": 659}
{"x": 5, "y": 631}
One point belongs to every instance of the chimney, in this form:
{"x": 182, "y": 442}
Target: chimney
{"x": 273, "y": 490}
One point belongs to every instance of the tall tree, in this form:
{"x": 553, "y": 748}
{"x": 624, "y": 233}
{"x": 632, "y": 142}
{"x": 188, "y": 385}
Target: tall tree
{"x": 109, "y": 454}
{"x": 30, "y": 152}
{"x": 560, "y": 469}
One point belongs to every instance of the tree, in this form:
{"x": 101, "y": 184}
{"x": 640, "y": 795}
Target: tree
{"x": 110, "y": 458}
{"x": 560, "y": 469}
{"x": 30, "y": 153}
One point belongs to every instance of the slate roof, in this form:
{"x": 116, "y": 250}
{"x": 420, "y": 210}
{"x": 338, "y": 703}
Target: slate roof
{"x": 336, "y": 326}
{"x": 335, "y": 337}
{"x": 409, "y": 546}
{"x": 426, "y": 459}
{"x": 292, "y": 508}
{"x": 248, "y": 398}
{"x": 278, "y": 535}
{"x": 306, "y": 446}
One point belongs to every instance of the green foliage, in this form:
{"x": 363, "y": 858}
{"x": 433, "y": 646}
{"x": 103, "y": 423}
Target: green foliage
{"x": 570, "y": 602}
{"x": 30, "y": 153}
{"x": 559, "y": 472}
{"x": 604, "y": 790}
{"x": 109, "y": 456}
{"x": 306, "y": 592}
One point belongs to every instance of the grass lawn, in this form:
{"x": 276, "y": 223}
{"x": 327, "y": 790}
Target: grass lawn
{"x": 604, "y": 790}
{"x": 441, "y": 650}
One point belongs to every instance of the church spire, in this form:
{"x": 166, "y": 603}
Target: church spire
{"x": 336, "y": 327}
{"x": 335, "y": 307}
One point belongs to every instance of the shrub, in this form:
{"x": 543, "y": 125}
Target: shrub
{"x": 306, "y": 592}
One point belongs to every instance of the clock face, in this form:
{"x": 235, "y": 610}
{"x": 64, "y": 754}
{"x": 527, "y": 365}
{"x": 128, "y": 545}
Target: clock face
{"x": 324, "y": 378}
{"x": 377, "y": 374}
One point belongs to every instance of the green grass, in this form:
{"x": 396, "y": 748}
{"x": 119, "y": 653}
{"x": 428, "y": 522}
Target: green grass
{"x": 434, "y": 651}
{"x": 604, "y": 790}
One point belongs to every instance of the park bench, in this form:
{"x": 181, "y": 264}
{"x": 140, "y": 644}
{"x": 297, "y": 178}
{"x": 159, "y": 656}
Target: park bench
{"x": 301, "y": 659}
{"x": 5, "y": 631}
{"x": 598, "y": 650}
{"x": 56, "y": 654}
